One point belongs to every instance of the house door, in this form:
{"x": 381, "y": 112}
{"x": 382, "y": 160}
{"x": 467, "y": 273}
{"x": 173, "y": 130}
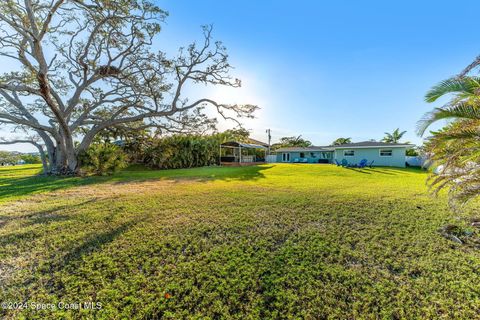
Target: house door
{"x": 286, "y": 157}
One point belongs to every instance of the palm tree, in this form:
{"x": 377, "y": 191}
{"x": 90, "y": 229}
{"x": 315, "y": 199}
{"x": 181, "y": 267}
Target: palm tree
{"x": 393, "y": 137}
{"x": 456, "y": 147}
{"x": 340, "y": 141}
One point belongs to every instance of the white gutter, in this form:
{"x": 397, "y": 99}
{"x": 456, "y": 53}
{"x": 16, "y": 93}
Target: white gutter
{"x": 303, "y": 150}
{"x": 371, "y": 147}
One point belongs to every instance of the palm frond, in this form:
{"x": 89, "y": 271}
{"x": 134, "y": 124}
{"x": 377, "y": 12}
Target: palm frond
{"x": 464, "y": 131}
{"x": 462, "y": 110}
{"x": 465, "y": 86}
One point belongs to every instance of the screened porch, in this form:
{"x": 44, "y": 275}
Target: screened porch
{"x": 235, "y": 153}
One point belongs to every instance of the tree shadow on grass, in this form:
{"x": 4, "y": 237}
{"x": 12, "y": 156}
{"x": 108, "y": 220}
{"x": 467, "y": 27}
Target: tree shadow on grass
{"x": 95, "y": 242}
{"x": 382, "y": 171}
{"x": 13, "y": 187}
{"x": 392, "y": 171}
{"x": 14, "y": 169}
{"x": 398, "y": 171}
{"x": 92, "y": 243}
{"x": 47, "y": 212}
{"x": 359, "y": 170}
{"x": 44, "y": 216}
{"x": 198, "y": 174}
{"x": 13, "y": 238}
{"x": 17, "y": 187}
{"x": 372, "y": 170}
{"x": 71, "y": 255}
{"x": 27, "y": 235}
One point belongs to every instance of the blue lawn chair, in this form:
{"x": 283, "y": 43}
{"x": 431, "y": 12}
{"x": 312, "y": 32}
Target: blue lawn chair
{"x": 370, "y": 164}
{"x": 363, "y": 163}
{"x": 296, "y": 160}
{"x": 337, "y": 163}
{"x": 344, "y": 163}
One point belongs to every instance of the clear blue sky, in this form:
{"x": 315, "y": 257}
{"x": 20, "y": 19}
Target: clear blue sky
{"x": 325, "y": 69}
{"x": 328, "y": 69}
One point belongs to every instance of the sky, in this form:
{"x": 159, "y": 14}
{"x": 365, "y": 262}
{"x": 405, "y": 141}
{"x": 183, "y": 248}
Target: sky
{"x": 329, "y": 69}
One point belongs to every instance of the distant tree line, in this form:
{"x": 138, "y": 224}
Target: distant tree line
{"x": 12, "y": 158}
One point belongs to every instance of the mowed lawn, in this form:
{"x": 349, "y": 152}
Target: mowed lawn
{"x": 280, "y": 241}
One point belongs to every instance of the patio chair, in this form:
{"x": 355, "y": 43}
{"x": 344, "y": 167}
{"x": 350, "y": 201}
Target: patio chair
{"x": 370, "y": 164}
{"x": 363, "y": 163}
{"x": 296, "y": 160}
{"x": 337, "y": 163}
{"x": 344, "y": 163}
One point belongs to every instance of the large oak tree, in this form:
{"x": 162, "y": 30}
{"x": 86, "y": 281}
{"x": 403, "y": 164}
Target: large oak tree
{"x": 78, "y": 67}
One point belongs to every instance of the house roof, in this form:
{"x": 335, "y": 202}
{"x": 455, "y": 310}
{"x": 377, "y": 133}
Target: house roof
{"x": 354, "y": 145}
{"x": 372, "y": 144}
{"x": 258, "y": 142}
{"x": 303, "y": 149}
{"x": 242, "y": 144}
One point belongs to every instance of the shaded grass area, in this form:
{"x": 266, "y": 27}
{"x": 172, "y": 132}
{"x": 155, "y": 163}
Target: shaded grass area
{"x": 265, "y": 242}
{"x": 19, "y": 181}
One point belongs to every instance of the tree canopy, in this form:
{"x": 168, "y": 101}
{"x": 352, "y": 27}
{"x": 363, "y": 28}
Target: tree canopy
{"x": 82, "y": 66}
{"x": 295, "y": 141}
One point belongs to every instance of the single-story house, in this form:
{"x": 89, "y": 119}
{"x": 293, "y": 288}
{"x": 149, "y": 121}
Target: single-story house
{"x": 381, "y": 153}
{"x": 305, "y": 154}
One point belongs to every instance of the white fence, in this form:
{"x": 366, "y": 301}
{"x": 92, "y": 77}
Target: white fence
{"x": 271, "y": 158}
{"x": 414, "y": 161}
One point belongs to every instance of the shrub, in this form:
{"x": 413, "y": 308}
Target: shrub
{"x": 412, "y": 152}
{"x": 182, "y": 151}
{"x": 103, "y": 159}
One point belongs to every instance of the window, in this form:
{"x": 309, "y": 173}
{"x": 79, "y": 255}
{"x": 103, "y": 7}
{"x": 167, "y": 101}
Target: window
{"x": 286, "y": 157}
{"x": 386, "y": 152}
{"x": 302, "y": 155}
{"x": 349, "y": 153}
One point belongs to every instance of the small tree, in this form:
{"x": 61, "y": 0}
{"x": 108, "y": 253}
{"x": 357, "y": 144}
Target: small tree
{"x": 412, "y": 152}
{"x": 87, "y": 65}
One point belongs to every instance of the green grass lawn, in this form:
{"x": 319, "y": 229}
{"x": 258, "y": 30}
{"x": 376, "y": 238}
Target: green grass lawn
{"x": 267, "y": 242}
